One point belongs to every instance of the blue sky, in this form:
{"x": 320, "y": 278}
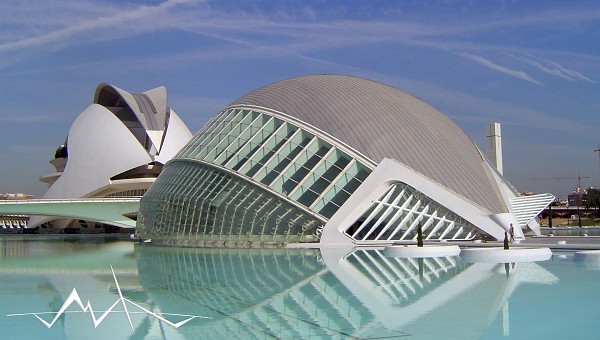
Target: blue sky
{"x": 530, "y": 65}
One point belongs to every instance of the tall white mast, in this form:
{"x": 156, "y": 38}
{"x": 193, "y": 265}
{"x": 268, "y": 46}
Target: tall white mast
{"x": 494, "y": 145}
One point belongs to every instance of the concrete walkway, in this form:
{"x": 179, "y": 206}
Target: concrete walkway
{"x": 552, "y": 242}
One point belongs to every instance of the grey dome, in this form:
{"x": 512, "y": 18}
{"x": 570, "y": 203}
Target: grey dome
{"x": 381, "y": 121}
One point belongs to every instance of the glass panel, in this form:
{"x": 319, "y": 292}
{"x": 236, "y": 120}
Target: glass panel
{"x": 214, "y": 124}
{"x": 214, "y": 138}
{"x": 307, "y": 160}
{"x": 267, "y": 151}
{"x": 326, "y": 172}
{"x": 329, "y": 209}
{"x": 306, "y": 196}
{"x": 284, "y": 157}
{"x": 240, "y": 133}
{"x": 203, "y": 204}
{"x": 255, "y": 132}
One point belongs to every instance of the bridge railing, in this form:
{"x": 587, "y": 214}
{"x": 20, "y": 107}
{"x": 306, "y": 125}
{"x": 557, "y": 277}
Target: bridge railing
{"x": 77, "y": 200}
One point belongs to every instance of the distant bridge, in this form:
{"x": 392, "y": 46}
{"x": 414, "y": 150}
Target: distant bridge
{"x": 104, "y": 210}
{"x": 568, "y": 212}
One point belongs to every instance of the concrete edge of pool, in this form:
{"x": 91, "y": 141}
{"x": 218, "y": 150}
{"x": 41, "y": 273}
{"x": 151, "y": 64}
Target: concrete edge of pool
{"x": 499, "y": 254}
{"x": 413, "y": 251}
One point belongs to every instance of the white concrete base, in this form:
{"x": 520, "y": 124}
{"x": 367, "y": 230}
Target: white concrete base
{"x": 590, "y": 259}
{"x": 589, "y": 255}
{"x": 500, "y": 255}
{"x": 421, "y": 252}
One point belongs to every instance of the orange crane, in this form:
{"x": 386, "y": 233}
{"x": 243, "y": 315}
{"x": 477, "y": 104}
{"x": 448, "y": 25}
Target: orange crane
{"x": 598, "y": 151}
{"x": 578, "y": 178}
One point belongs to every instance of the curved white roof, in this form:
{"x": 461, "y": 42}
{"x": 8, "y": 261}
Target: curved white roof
{"x": 381, "y": 121}
{"x": 101, "y": 145}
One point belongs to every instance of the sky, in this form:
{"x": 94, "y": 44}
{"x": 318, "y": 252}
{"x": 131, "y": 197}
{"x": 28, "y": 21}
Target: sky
{"x": 532, "y": 66}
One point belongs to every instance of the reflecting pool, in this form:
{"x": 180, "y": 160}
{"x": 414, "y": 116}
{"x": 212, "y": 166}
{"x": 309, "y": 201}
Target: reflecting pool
{"x": 139, "y": 291}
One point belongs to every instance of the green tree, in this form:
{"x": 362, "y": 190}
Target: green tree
{"x": 61, "y": 152}
{"x": 593, "y": 199}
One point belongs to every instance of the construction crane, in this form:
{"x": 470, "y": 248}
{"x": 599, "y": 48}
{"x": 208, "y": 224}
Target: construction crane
{"x": 578, "y": 178}
{"x": 598, "y": 151}
{"x": 579, "y": 190}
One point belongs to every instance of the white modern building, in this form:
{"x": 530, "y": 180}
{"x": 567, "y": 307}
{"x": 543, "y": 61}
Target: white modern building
{"x": 115, "y": 148}
{"x": 331, "y": 159}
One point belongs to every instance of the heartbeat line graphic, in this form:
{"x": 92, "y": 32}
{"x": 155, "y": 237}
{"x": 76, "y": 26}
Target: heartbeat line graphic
{"x": 74, "y": 298}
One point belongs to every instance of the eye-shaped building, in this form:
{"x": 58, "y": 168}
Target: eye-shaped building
{"x": 330, "y": 159}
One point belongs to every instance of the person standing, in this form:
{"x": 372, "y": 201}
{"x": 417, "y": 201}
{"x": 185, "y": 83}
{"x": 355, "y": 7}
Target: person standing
{"x": 511, "y": 232}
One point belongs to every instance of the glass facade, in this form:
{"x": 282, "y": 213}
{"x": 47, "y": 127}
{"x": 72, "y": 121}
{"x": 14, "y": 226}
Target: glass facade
{"x": 197, "y": 205}
{"x": 282, "y": 156}
{"x": 285, "y": 182}
{"x": 396, "y": 215}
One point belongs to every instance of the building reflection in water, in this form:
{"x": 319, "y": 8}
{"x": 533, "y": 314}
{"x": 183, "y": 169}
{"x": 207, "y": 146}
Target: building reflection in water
{"x": 261, "y": 293}
{"x": 333, "y": 293}
{"x": 9, "y": 249}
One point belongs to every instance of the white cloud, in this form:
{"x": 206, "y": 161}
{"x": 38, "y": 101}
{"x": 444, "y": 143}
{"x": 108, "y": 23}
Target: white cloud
{"x": 511, "y": 72}
{"x": 299, "y": 34}
{"x": 552, "y": 72}
{"x": 573, "y": 74}
{"x": 139, "y": 16}
{"x": 555, "y": 69}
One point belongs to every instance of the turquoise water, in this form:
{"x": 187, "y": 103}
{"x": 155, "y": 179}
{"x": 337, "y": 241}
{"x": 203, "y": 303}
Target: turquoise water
{"x": 284, "y": 293}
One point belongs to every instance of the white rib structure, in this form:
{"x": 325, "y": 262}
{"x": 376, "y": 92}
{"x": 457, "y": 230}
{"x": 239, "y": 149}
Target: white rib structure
{"x": 526, "y": 208}
{"x": 395, "y": 216}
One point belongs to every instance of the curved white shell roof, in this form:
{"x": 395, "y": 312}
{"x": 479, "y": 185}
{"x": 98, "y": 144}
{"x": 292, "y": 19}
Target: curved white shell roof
{"x": 381, "y": 121}
{"x": 101, "y": 145}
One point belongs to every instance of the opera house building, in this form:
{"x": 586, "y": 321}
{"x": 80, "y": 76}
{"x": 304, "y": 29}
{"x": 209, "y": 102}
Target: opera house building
{"x": 330, "y": 159}
{"x": 116, "y": 147}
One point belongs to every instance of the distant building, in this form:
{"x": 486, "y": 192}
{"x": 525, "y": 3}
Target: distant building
{"x": 115, "y": 148}
{"x": 13, "y": 222}
{"x": 17, "y": 196}
{"x": 573, "y": 198}
{"x": 331, "y": 159}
